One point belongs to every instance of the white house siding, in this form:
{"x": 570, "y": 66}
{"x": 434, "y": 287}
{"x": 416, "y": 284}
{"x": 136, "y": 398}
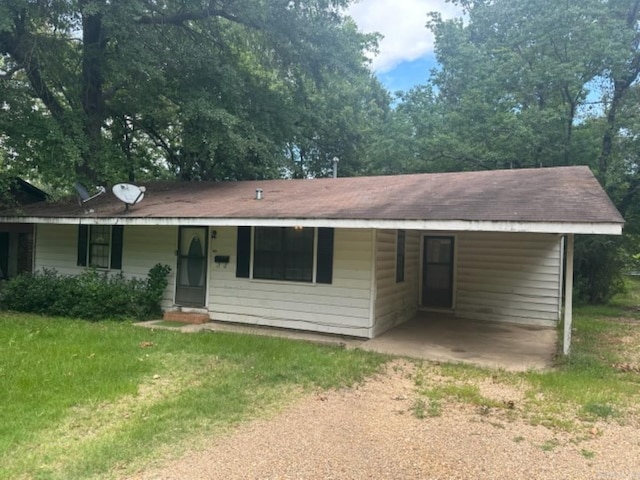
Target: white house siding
{"x": 342, "y": 307}
{"x": 508, "y": 277}
{"x": 395, "y": 303}
{"x": 56, "y": 247}
{"x": 143, "y": 247}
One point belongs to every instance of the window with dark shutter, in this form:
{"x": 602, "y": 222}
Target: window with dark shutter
{"x": 100, "y": 246}
{"x": 283, "y": 253}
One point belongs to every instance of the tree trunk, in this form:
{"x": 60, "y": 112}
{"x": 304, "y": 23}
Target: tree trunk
{"x": 93, "y": 106}
{"x": 621, "y": 86}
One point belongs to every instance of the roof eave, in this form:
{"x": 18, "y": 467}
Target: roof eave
{"x": 594, "y": 228}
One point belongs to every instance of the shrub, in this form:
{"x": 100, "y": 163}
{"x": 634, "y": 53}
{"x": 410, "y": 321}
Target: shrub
{"x": 599, "y": 263}
{"x": 92, "y": 295}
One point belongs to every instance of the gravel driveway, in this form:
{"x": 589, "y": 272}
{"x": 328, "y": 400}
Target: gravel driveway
{"x": 370, "y": 432}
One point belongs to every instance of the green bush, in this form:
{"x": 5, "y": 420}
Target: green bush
{"x": 92, "y": 295}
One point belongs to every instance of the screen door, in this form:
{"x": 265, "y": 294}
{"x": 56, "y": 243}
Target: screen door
{"x": 437, "y": 272}
{"x": 191, "y": 281}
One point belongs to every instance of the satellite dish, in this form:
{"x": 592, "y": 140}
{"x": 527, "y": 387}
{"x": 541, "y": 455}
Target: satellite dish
{"x": 83, "y": 194}
{"x": 128, "y": 194}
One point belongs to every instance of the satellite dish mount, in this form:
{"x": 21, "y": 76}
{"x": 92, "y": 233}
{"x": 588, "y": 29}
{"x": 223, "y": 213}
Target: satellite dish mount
{"x": 128, "y": 194}
{"x": 83, "y": 194}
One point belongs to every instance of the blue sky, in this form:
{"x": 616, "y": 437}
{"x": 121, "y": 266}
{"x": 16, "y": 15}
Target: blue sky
{"x": 406, "y": 49}
{"x": 408, "y": 74}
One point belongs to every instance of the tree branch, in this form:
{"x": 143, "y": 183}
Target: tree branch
{"x": 158, "y": 140}
{"x": 180, "y": 18}
{"x": 25, "y": 60}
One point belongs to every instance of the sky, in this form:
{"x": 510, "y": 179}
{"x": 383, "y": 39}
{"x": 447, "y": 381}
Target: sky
{"x": 406, "y": 51}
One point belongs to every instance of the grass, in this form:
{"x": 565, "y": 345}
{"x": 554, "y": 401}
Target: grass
{"x": 589, "y": 378}
{"x": 599, "y": 380}
{"x": 588, "y": 454}
{"x": 91, "y": 400}
{"x": 83, "y": 400}
{"x": 549, "y": 445}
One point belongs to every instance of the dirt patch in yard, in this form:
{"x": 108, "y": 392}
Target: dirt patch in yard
{"x": 373, "y": 431}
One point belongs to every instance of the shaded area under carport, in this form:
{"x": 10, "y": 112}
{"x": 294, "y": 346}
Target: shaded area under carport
{"x": 451, "y": 339}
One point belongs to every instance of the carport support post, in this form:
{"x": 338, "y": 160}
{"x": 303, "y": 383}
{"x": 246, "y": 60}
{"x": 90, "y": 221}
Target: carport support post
{"x": 568, "y": 297}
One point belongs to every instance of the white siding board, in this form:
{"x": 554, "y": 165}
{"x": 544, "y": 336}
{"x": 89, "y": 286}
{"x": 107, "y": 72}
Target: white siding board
{"x": 395, "y": 303}
{"x": 503, "y": 282}
{"x": 523, "y": 260}
{"x": 298, "y": 324}
{"x": 268, "y": 289}
{"x": 488, "y": 312}
{"x": 543, "y": 304}
{"x": 519, "y": 291}
{"x": 508, "y": 277}
{"x": 509, "y": 273}
{"x": 546, "y": 299}
{"x": 308, "y": 317}
{"x": 342, "y": 307}
{"x": 508, "y": 316}
{"x": 297, "y": 306}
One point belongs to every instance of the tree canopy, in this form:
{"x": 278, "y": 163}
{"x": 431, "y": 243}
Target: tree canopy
{"x": 98, "y": 90}
{"x": 535, "y": 83}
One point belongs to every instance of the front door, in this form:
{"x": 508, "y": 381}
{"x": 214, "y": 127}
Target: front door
{"x": 437, "y": 272}
{"x": 191, "y": 281}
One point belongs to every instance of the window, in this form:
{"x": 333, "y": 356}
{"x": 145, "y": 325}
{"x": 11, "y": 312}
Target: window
{"x": 400, "y": 241}
{"x": 100, "y": 246}
{"x": 285, "y": 253}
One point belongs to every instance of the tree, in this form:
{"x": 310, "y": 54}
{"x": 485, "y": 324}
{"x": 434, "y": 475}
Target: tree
{"x": 533, "y": 83}
{"x": 197, "y": 89}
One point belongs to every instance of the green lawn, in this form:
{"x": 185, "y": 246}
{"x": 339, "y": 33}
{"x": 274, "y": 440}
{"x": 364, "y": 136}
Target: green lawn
{"x": 92, "y": 400}
{"x": 599, "y": 380}
{"x": 86, "y": 400}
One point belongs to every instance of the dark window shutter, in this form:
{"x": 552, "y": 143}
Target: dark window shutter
{"x": 83, "y": 240}
{"x": 324, "y": 272}
{"x": 116, "y": 247}
{"x": 4, "y": 255}
{"x": 243, "y": 252}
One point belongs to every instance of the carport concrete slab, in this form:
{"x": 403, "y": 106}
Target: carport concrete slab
{"x": 489, "y": 344}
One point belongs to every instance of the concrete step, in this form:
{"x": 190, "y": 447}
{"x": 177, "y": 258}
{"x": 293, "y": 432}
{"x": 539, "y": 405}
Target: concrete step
{"x": 186, "y": 317}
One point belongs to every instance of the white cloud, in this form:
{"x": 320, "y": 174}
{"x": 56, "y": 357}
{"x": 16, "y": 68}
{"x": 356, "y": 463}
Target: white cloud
{"x": 403, "y": 24}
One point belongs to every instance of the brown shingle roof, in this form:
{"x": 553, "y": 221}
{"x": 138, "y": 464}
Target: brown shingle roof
{"x": 563, "y": 194}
